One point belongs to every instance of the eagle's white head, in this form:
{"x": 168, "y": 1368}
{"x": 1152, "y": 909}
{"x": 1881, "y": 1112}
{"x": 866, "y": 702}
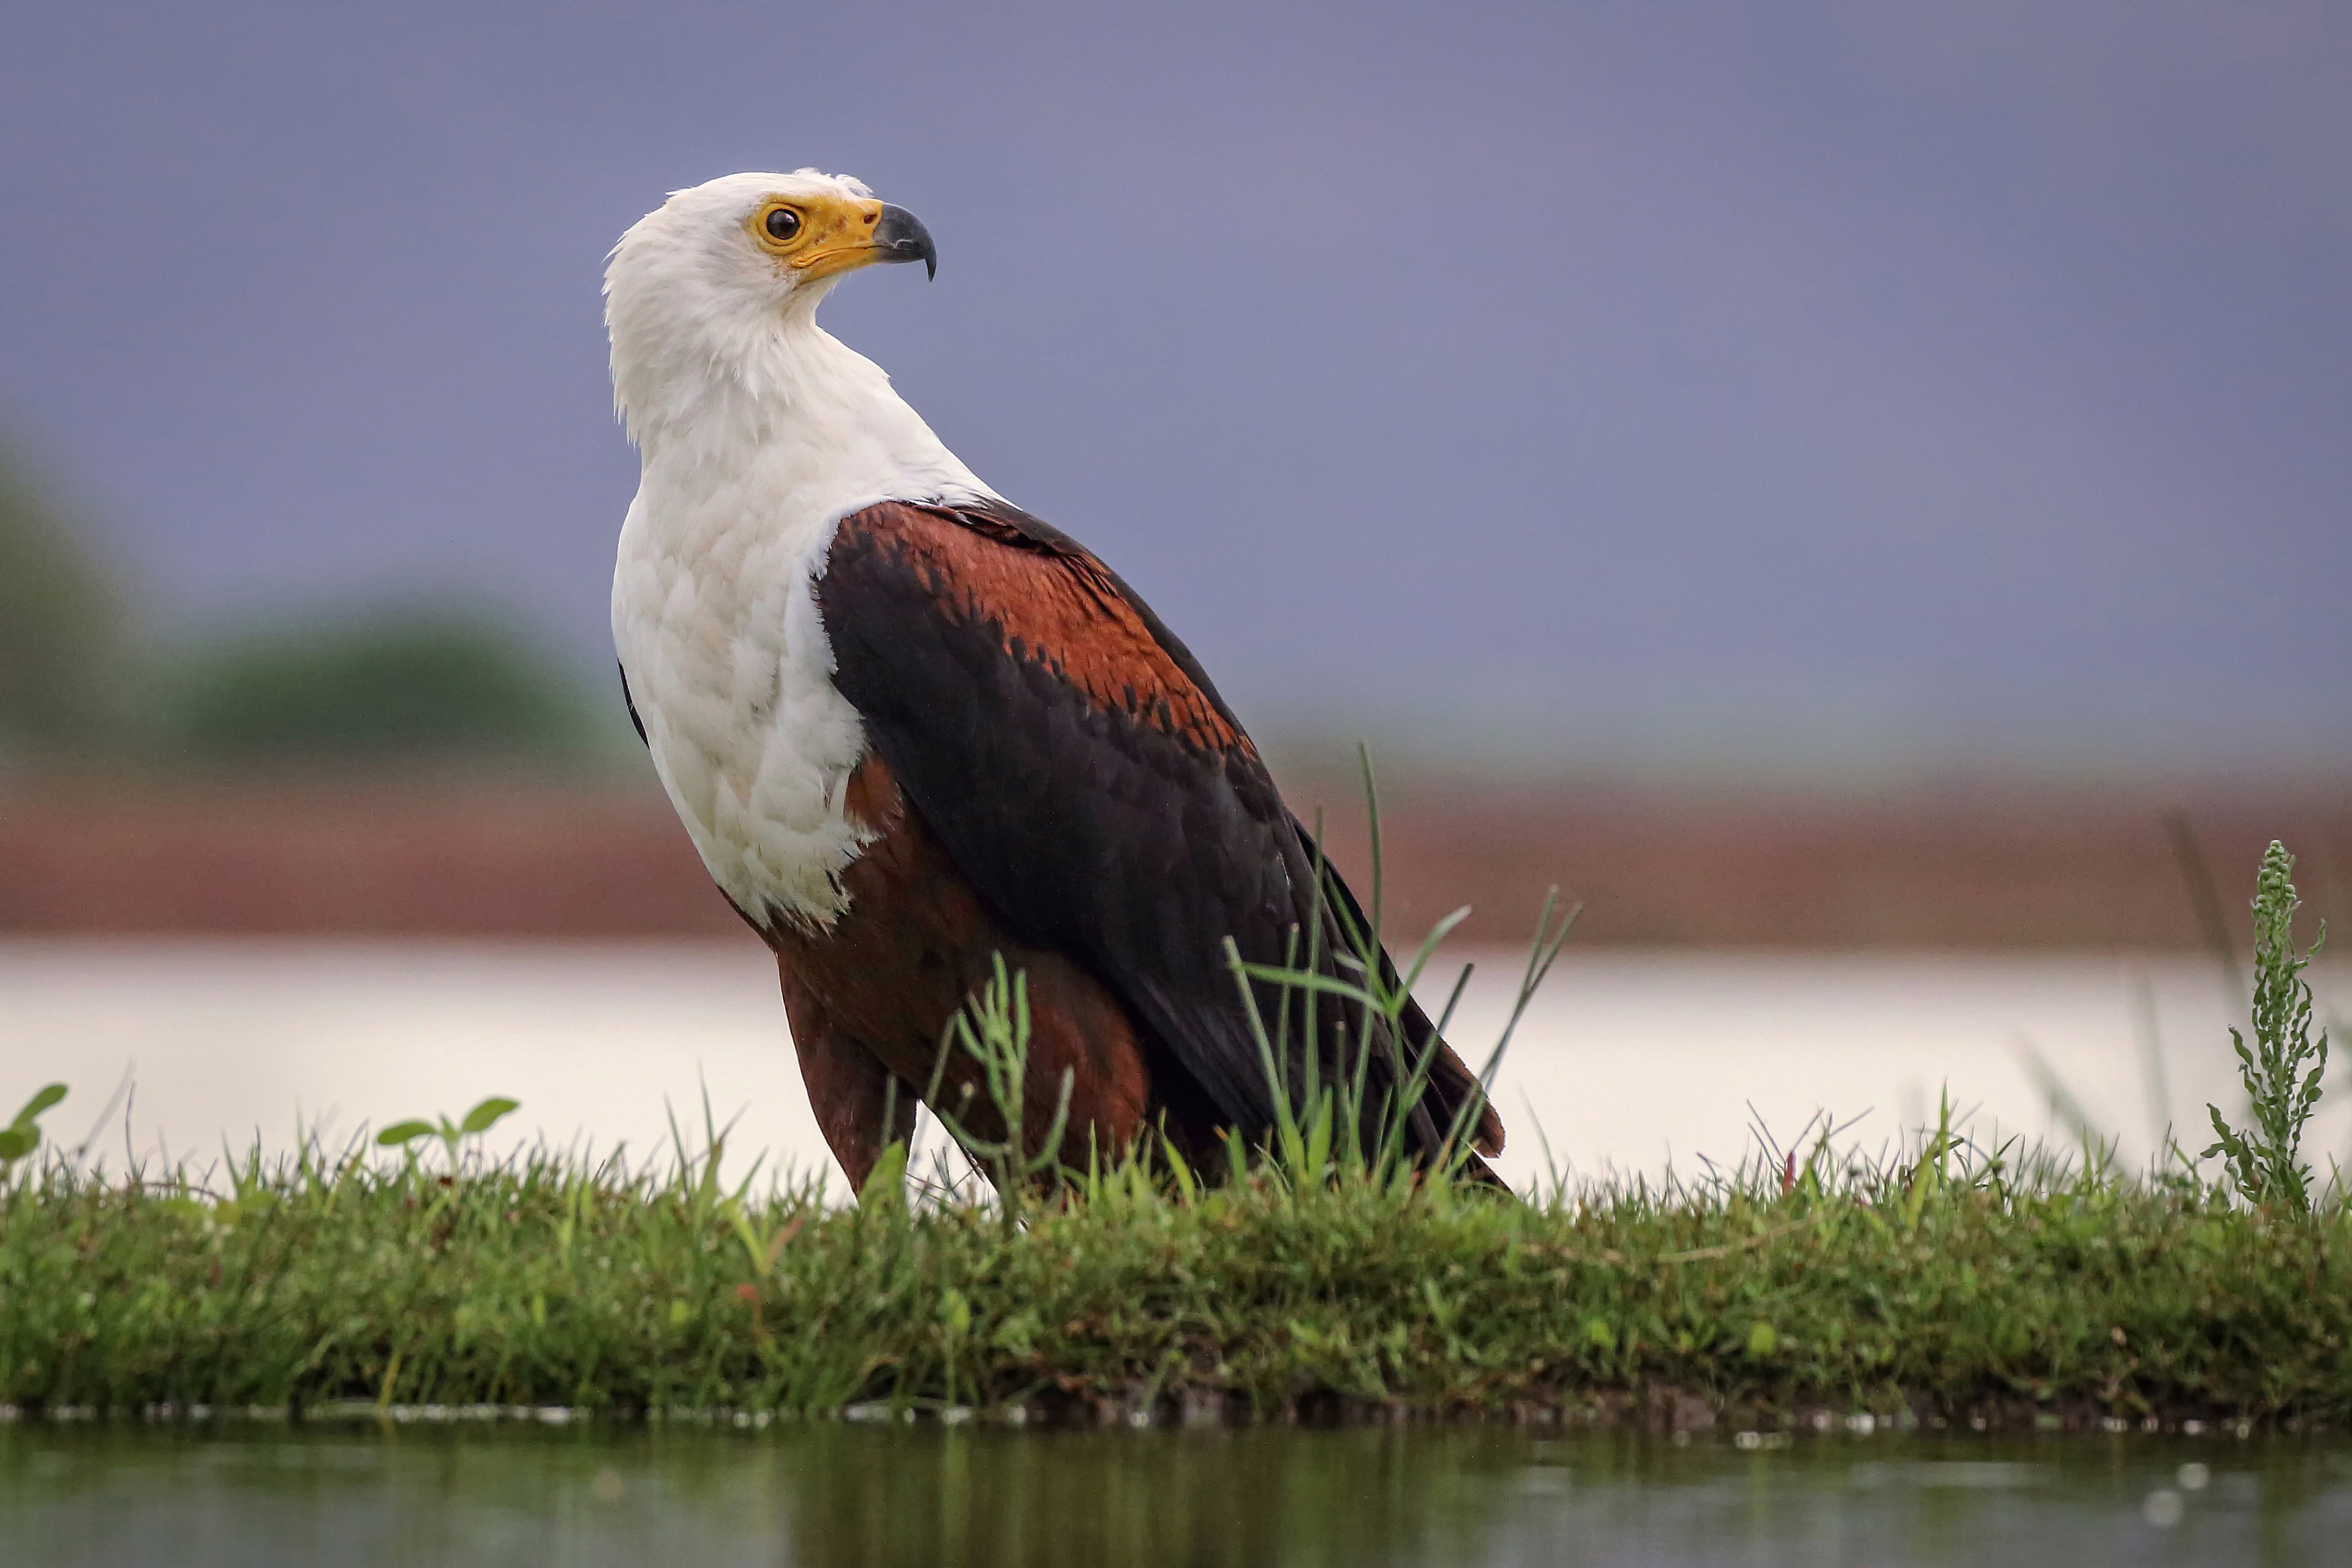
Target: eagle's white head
{"x": 716, "y": 290}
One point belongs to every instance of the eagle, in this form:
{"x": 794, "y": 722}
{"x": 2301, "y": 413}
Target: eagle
{"x": 915, "y": 733}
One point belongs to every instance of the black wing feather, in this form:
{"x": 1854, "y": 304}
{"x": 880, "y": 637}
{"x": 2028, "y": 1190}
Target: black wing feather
{"x": 1092, "y": 828}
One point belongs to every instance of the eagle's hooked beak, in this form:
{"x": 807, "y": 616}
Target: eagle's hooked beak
{"x": 837, "y": 237}
{"x": 901, "y": 236}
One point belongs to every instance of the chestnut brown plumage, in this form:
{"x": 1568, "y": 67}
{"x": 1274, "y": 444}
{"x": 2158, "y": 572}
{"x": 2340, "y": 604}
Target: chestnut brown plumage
{"x": 1054, "y": 776}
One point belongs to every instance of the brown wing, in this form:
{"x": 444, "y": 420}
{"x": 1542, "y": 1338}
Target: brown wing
{"x": 1088, "y": 779}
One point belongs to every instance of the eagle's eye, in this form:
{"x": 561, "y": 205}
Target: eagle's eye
{"x": 781, "y": 223}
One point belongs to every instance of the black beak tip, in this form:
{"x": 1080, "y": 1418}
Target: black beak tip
{"x": 902, "y": 234}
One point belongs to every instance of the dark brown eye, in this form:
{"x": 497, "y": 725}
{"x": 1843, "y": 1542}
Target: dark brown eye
{"x": 783, "y": 223}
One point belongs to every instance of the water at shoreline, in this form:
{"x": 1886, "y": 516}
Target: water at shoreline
{"x": 826, "y": 1493}
{"x": 1628, "y": 1059}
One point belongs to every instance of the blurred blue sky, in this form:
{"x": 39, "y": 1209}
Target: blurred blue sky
{"x": 1810, "y": 379}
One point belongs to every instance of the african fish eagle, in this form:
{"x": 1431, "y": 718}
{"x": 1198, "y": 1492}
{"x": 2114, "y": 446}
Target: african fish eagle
{"x": 910, "y": 727}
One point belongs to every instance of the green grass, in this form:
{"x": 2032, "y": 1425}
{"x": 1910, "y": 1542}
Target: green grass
{"x": 1327, "y": 1275}
{"x": 1952, "y": 1287}
{"x": 2282, "y": 1070}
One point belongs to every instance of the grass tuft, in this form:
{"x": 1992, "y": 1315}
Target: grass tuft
{"x": 1940, "y": 1280}
{"x": 2264, "y": 1160}
{"x": 1952, "y": 1283}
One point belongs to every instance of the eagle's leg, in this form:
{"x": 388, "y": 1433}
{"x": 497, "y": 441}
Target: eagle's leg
{"x": 861, "y": 1107}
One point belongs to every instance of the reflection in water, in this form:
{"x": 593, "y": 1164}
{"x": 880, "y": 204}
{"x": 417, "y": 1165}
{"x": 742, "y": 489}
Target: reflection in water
{"x": 883, "y": 1498}
{"x": 1074, "y": 1498}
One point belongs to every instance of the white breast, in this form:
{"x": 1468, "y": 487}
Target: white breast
{"x": 716, "y": 623}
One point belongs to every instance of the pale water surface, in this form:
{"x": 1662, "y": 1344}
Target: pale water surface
{"x": 846, "y": 1496}
{"x": 1628, "y": 1059}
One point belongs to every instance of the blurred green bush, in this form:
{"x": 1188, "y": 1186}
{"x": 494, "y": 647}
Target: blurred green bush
{"x": 429, "y": 685}
{"x": 66, "y": 668}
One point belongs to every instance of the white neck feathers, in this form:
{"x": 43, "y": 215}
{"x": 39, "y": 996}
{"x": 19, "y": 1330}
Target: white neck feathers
{"x": 702, "y": 385}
